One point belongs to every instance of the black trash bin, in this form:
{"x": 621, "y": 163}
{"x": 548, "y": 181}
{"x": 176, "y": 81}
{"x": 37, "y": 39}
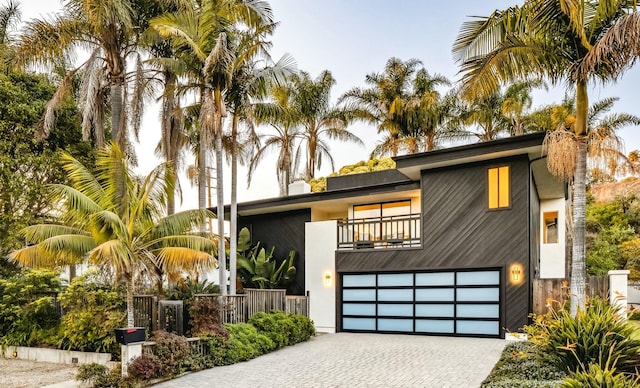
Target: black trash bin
{"x": 129, "y": 335}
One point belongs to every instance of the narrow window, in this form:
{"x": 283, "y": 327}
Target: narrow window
{"x": 550, "y": 227}
{"x": 498, "y": 187}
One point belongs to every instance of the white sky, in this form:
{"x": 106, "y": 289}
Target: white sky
{"x": 352, "y": 38}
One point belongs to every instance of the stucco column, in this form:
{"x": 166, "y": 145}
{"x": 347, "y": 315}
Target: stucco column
{"x": 128, "y": 353}
{"x": 618, "y": 289}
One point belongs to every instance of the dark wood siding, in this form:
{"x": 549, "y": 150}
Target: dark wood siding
{"x": 534, "y": 243}
{"x": 458, "y": 231}
{"x": 284, "y": 231}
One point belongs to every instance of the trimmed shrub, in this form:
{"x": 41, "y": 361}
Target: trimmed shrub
{"x": 245, "y": 343}
{"x": 283, "y": 329}
{"x": 595, "y": 336}
{"x": 522, "y": 365}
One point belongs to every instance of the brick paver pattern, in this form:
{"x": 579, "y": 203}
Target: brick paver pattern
{"x": 360, "y": 360}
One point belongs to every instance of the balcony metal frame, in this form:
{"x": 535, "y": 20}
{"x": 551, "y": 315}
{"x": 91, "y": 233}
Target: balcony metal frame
{"x": 380, "y": 232}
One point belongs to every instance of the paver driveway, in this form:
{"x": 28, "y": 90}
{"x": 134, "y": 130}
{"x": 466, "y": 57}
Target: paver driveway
{"x": 360, "y": 360}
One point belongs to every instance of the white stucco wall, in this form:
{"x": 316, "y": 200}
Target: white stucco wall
{"x": 552, "y": 256}
{"x": 321, "y": 241}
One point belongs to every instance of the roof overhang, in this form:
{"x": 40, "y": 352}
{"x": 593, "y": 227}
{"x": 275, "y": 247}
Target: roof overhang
{"x": 412, "y": 165}
{"x": 329, "y": 200}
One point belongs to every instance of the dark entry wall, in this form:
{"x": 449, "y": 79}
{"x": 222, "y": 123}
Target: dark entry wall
{"x": 285, "y": 231}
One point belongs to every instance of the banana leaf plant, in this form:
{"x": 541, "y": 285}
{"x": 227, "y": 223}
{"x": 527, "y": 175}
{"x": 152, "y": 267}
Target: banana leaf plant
{"x": 257, "y": 267}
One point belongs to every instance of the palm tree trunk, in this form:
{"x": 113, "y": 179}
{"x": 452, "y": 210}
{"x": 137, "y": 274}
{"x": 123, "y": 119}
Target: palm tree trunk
{"x": 578, "y": 268}
{"x": 116, "y": 113}
{"x": 72, "y": 272}
{"x": 130, "y": 290}
{"x": 170, "y": 133}
{"x": 233, "y": 220}
{"x": 222, "y": 260}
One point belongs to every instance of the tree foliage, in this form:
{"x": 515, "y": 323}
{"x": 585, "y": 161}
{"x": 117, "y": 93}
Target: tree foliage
{"x": 27, "y": 166}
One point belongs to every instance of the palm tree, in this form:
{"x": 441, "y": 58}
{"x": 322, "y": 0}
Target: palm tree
{"x": 604, "y": 145}
{"x": 576, "y": 42}
{"x": 319, "y": 119}
{"x": 109, "y": 32}
{"x": 115, "y": 219}
{"x": 206, "y": 31}
{"x": 404, "y": 104}
{"x": 281, "y": 115}
{"x": 253, "y": 72}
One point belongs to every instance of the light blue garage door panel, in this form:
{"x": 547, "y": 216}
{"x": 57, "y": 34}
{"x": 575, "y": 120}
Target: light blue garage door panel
{"x": 447, "y": 302}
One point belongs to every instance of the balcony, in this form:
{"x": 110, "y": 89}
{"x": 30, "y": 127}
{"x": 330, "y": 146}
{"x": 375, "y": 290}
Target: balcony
{"x": 379, "y": 232}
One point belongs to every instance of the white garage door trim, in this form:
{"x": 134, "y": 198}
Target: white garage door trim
{"x": 453, "y": 302}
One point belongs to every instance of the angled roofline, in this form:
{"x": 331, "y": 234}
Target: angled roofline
{"x": 410, "y": 165}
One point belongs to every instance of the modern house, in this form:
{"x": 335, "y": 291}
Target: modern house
{"x": 445, "y": 244}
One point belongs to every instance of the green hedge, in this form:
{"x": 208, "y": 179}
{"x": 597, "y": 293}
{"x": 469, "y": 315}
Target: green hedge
{"x": 223, "y": 345}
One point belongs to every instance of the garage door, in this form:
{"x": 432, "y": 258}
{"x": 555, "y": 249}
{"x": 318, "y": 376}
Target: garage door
{"x": 444, "y": 303}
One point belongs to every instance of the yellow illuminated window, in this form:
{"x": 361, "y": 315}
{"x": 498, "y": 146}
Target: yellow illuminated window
{"x": 498, "y": 187}
{"x": 550, "y": 227}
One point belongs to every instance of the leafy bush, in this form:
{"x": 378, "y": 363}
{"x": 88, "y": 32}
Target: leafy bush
{"x": 172, "y": 351}
{"x": 145, "y": 367}
{"x": 245, "y": 343}
{"x": 205, "y": 316}
{"x": 27, "y": 316}
{"x": 257, "y": 268}
{"x": 187, "y": 289}
{"x": 93, "y": 311}
{"x": 595, "y": 377}
{"x": 98, "y": 376}
{"x": 522, "y": 365}
{"x": 283, "y": 329}
{"x": 596, "y": 335}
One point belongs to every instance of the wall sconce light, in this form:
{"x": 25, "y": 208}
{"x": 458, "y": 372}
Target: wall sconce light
{"x": 517, "y": 274}
{"x": 327, "y": 279}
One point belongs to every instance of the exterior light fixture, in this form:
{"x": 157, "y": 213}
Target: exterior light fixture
{"x": 327, "y": 279}
{"x": 517, "y": 274}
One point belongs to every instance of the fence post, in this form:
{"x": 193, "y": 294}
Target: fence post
{"x": 618, "y": 289}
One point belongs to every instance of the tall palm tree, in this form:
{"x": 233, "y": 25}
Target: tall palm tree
{"x": 206, "y": 31}
{"x": 109, "y": 32}
{"x": 113, "y": 218}
{"x": 403, "y": 102}
{"x": 278, "y": 115}
{"x": 319, "y": 119}
{"x": 572, "y": 41}
{"x": 377, "y": 103}
{"x": 253, "y": 72}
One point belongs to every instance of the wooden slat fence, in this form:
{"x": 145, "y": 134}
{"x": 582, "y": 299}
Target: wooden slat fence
{"x": 145, "y": 311}
{"x": 264, "y": 300}
{"x": 169, "y": 315}
{"x": 558, "y": 290}
{"x": 297, "y": 305}
{"x": 232, "y": 307}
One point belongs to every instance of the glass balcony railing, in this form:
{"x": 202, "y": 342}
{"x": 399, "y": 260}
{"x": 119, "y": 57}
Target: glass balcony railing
{"x": 379, "y": 232}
